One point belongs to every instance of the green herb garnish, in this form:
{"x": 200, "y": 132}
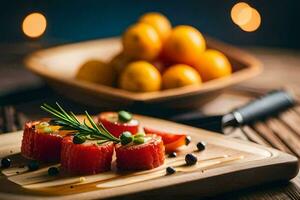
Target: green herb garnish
{"x": 68, "y": 121}
{"x": 124, "y": 116}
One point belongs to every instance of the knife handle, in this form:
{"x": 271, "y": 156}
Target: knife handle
{"x": 268, "y": 105}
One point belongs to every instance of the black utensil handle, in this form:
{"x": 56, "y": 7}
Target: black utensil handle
{"x": 268, "y": 105}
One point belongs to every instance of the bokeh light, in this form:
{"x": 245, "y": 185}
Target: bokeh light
{"x": 237, "y": 12}
{"x": 34, "y": 25}
{"x": 246, "y": 17}
{"x": 254, "y": 23}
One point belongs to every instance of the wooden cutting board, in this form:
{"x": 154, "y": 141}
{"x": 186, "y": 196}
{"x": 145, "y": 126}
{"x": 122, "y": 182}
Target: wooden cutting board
{"x": 226, "y": 164}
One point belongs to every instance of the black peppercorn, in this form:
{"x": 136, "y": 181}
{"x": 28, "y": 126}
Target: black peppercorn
{"x": 170, "y": 170}
{"x": 172, "y": 155}
{"x": 5, "y": 162}
{"x": 190, "y": 159}
{"x": 188, "y": 140}
{"x": 201, "y": 146}
{"x": 53, "y": 171}
{"x": 33, "y": 165}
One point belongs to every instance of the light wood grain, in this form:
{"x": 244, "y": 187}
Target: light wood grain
{"x": 268, "y": 164}
{"x": 292, "y": 119}
{"x": 253, "y": 136}
{"x": 269, "y": 135}
{"x": 286, "y": 135}
{"x": 59, "y": 65}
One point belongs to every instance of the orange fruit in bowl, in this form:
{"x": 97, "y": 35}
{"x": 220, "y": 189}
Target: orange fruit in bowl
{"x": 159, "y": 22}
{"x": 180, "y": 75}
{"x": 161, "y": 64}
{"x": 141, "y": 41}
{"x": 96, "y": 71}
{"x": 119, "y": 62}
{"x": 184, "y": 45}
{"x": 213, "y": 64}
{"x": 140, "y": 76}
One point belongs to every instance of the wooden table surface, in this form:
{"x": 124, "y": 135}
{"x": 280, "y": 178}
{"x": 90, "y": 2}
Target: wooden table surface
{"x": 281, "y": 69}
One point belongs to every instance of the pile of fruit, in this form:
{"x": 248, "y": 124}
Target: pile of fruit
{"x": 156, "y": 56}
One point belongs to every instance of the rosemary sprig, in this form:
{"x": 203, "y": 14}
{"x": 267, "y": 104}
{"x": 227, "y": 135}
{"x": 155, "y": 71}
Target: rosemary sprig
{"x": 68, "y": 121}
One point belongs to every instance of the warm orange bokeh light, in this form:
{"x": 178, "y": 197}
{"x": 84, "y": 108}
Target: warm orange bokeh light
{"x": 254, "y": 23}
{"x": 237, "y": 10}
{"x": 34, "y": 25}
{"x": 246, "y": 17}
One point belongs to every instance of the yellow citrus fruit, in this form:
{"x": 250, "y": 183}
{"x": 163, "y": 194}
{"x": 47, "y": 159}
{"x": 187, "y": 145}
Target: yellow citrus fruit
{"x": 184, "y": 45}
{"x": 119, "y": 62}
{"x": 141, "y": 41}
{"x": 140, "y": 76}
{"x": 98, "y": 72}
{"x": 180, "y": 75}
{"x": 213, "y": 64}
{"x": 159, "y": 22}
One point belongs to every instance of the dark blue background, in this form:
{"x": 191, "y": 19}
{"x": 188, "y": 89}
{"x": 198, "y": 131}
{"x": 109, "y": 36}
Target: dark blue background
{"x": 86, "y": 19}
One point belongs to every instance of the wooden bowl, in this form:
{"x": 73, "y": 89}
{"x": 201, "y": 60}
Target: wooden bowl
{"x": 58, "y": 66}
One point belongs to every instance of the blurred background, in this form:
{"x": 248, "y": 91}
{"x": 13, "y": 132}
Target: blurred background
{"x": 274, "y": 23}
{"x": 269, "y": 29}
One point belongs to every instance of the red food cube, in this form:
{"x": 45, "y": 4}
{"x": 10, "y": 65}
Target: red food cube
{"x": 144, "y": 156}
{"x": 86, "y": 158}
{"x": 41, "y": 146}
{"x": 114, "y": 126}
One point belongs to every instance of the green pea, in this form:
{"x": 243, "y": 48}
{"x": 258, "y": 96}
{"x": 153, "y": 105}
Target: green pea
{"x": 126, "y": 137}
{"x": 42, "y": 125}
{"x": 78, "y": 139}
{"x": 139, "y": 135}
{"x": 47, "y": 130}
{"x": 124, "y": 116}
{"x": 138, "y": 140}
